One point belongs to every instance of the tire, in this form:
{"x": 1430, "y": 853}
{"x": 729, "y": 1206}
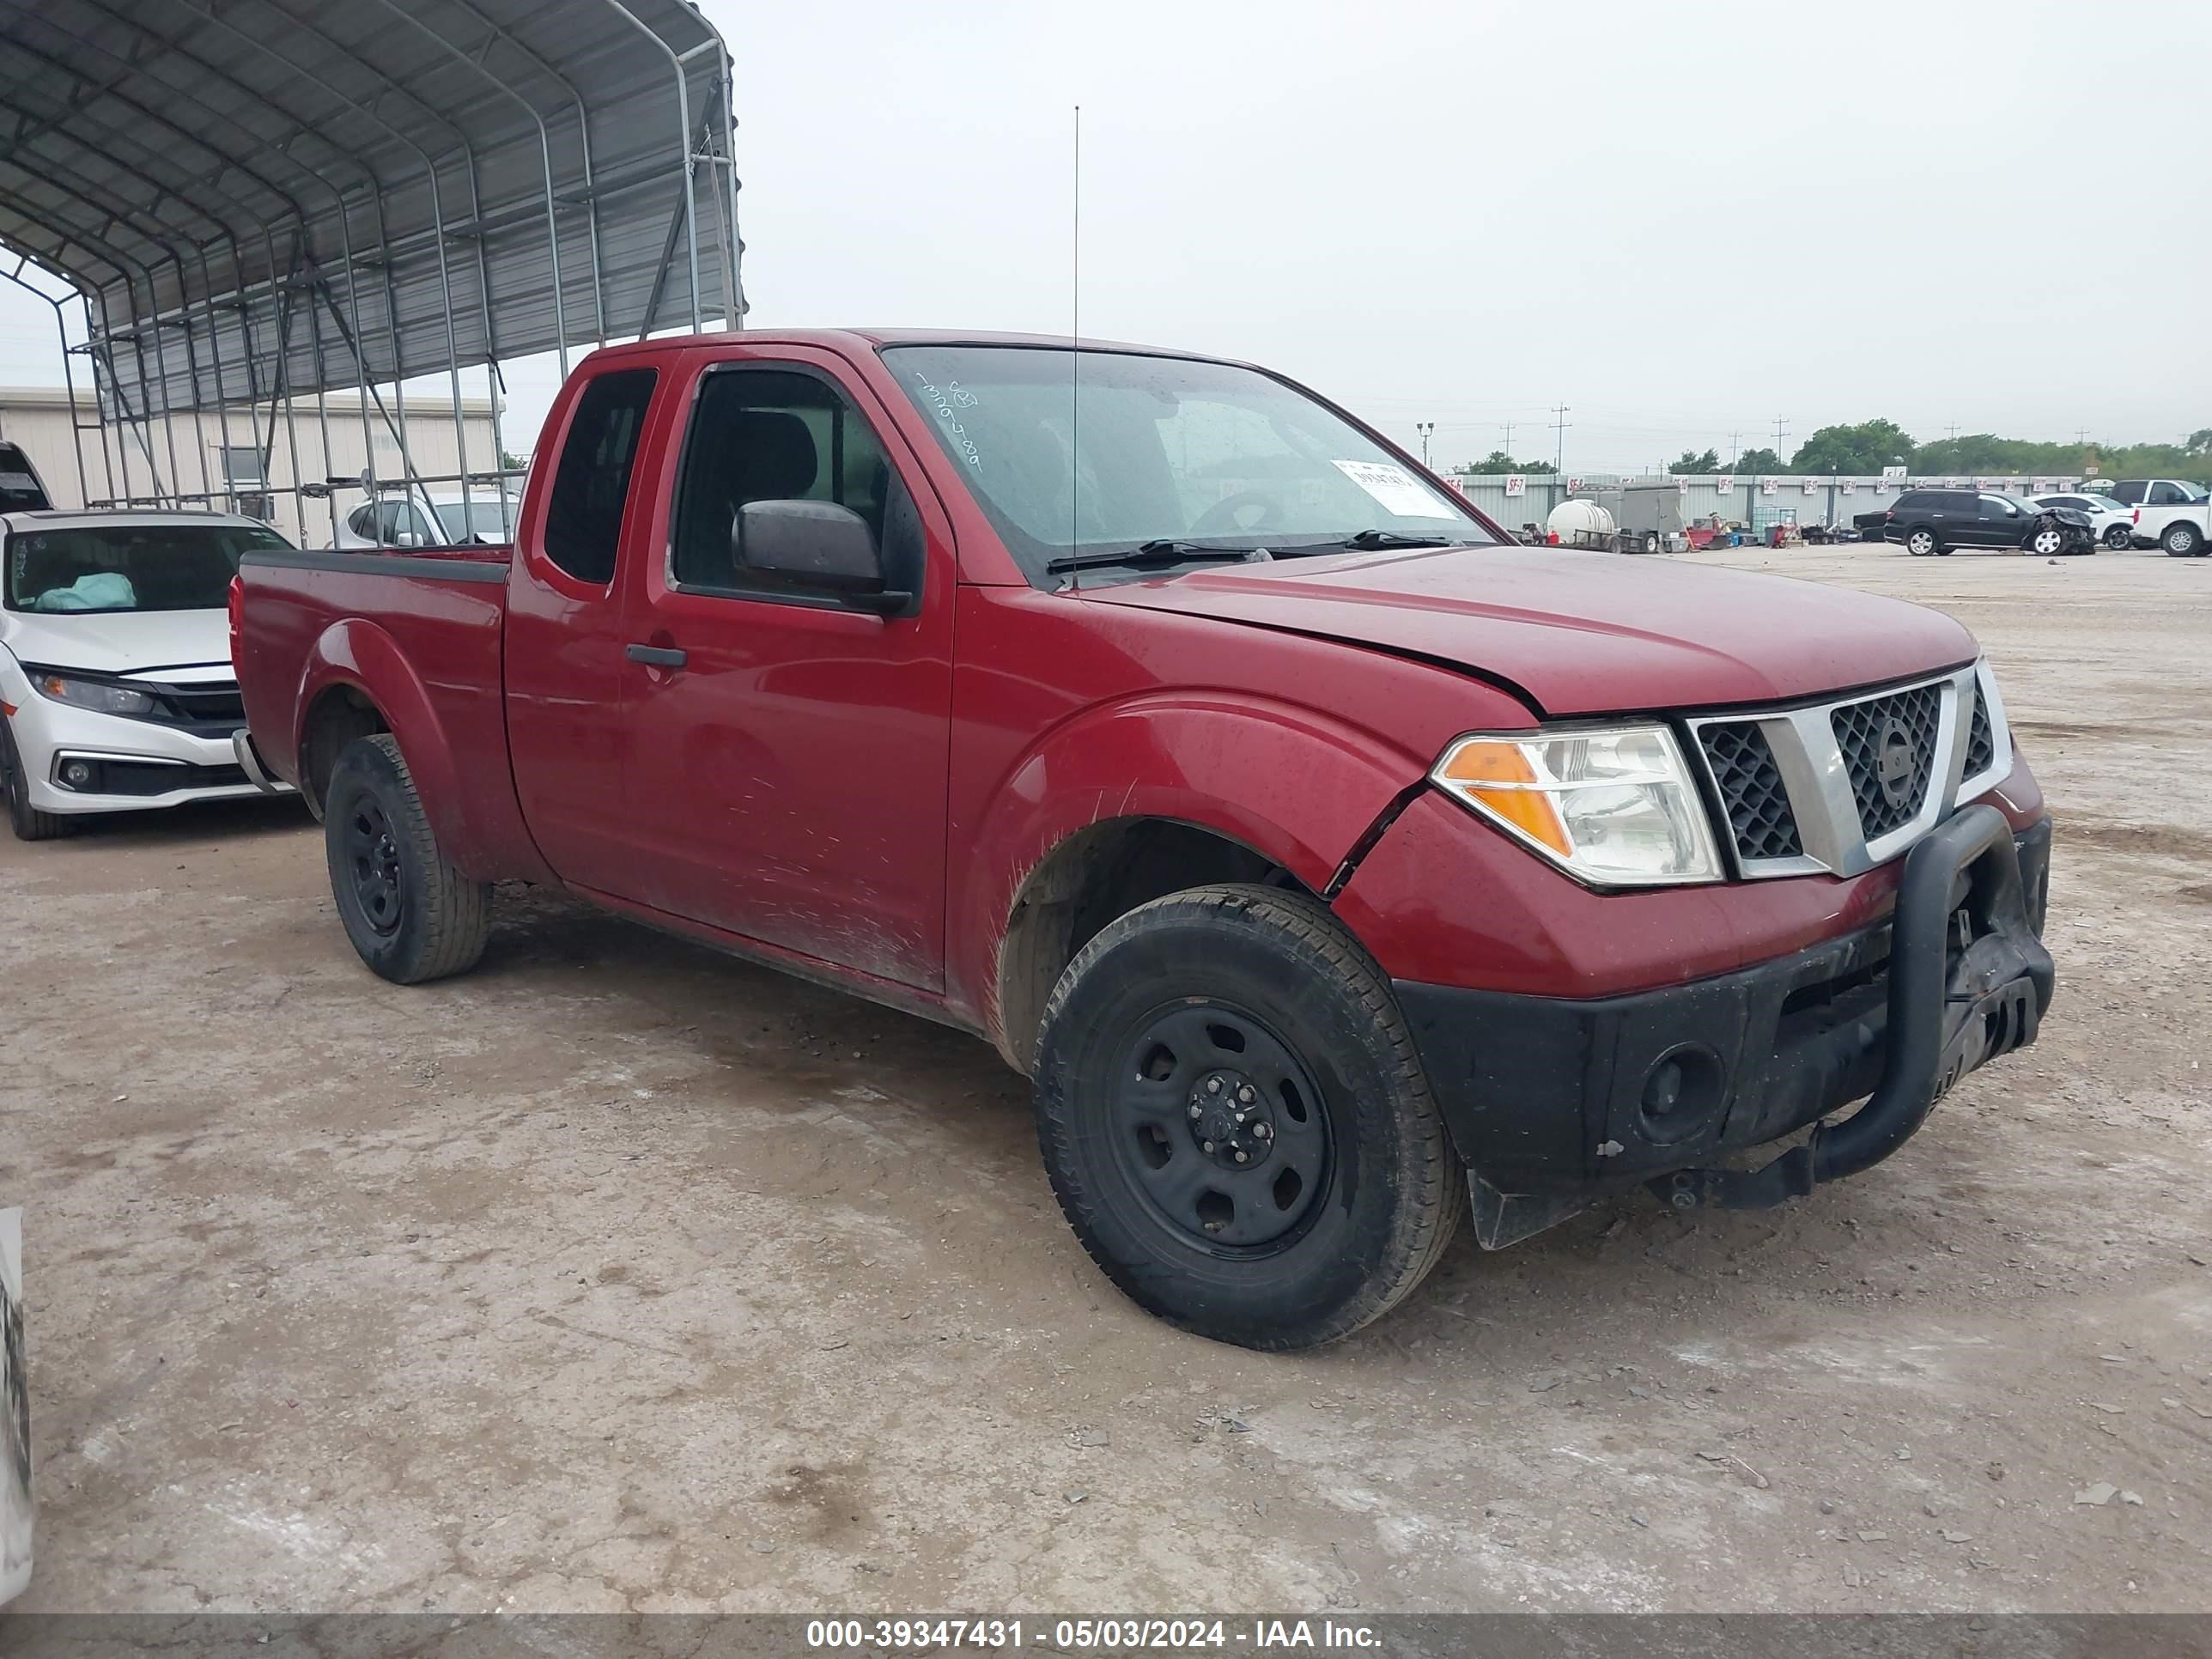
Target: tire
{"x": 1651, "y": 542}
{"x": 28, "y": 823}
{"x": 2050, "y": 541}
{"x": 2182, "y": 540}
{"x": 1920, "y": 542}
{"x": 410, "y": 915}
{"x": 1260, "y": 989}
{"x": 2119, "y": 537}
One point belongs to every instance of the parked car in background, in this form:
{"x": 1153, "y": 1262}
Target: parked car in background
{"x": 1332, "y": 866}
{"x": 413, "y": 519}
{"x": 21, "y": 490}
{"x": 115, "y": 675}
{"x": 2111, "y": 522}
{"x": 1930, "y": 521}
{"x": 2168, "y": 512}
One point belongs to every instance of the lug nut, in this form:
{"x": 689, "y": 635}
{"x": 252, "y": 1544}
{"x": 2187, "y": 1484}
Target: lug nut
{"x": 1197, "y": 1110}
{"x": 1246, "y": 1095}
{"x": 1263, "y": 1132}
{"x": 1242, "y": 1157}
{"x": 1206, "y": 1145}
{"x": 1213, "y": 1086}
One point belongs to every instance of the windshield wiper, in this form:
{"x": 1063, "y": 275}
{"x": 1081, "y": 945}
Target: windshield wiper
{"x": 1370, "y": 541}
{"x": 1150, "y": 553}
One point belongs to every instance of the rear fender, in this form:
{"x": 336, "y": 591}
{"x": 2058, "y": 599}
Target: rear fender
{"x": 358, "y": 655}
{"x": 1295, "y": 786}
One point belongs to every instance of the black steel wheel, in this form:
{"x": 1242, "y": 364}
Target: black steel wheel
{"x": 2119, "y": 537}
{"x": 411, "y": 914}
{"x": 1235, "y": 1123}
{"x": 372, "y": 860}
{"x": 1220, "y": 1128}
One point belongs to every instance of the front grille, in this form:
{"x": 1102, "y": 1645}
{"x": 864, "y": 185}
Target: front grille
{"x": 1870, "y": 731}
{"x": 1752, "y": 791}
{"x": 211, "y": 708}
{"x": 1981, "y": 742}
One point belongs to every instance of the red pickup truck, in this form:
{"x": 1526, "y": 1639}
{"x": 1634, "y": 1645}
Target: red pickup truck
{"x": 1332, "y": 865}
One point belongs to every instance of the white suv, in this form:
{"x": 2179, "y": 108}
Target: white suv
{"x": 115, "y": 672}
{"x": 2168, "y": 512}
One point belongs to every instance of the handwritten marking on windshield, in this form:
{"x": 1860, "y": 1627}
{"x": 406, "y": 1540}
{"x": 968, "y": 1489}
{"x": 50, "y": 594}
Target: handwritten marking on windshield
{"x": 943, "y": 402}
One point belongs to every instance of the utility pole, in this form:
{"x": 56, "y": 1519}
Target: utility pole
{"x": 1425, "y": 428}
{"x": 1509, "y": 438}
{"x": 1950, "y": 432}
{"x": 1735, "y": 448}
{"x": 1781, "y": 434}
{"x": 1559, "y": 452}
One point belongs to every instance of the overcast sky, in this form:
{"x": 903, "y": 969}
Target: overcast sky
{"x": 1682, "y": 220}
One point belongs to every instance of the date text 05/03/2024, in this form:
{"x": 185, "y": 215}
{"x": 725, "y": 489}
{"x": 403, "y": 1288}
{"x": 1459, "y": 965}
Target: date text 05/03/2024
{"x": 1089, "y": 1635}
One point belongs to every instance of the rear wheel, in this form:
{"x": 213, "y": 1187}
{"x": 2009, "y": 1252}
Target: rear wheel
{"x": 2182, "y": 540}
{"x": 2119, "y": 537}
{"x": 1921, "y": 541}
{"x": 409, "y": 914}
{"x": 1235, "y": 1123}
{"x": 28, "y": 823}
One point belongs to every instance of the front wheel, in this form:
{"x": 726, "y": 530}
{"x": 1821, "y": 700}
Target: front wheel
{"x": 409, "y": 914}
{"x": 2182, "y": 541}
{"x": 1235, "y": 1123}
{"x": 1921, "y": 543}
{"x": 28, "y": 823}
{"x": 2048, "y": 540}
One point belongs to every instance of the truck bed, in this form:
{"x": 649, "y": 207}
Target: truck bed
{"x": 425, "y": 627}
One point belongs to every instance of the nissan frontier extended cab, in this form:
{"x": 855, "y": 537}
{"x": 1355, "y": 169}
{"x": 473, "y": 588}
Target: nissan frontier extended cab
{"x": 1336, "y": 868}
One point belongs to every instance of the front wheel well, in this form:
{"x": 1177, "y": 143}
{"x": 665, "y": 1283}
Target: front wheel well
{"x": 339, "y": 715}
{"x": 1102, "y": 872}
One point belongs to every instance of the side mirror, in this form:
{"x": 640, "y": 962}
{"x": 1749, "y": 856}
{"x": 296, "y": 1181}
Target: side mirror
{"x": 820, "y": 545}
{"x": 406, "y": 539}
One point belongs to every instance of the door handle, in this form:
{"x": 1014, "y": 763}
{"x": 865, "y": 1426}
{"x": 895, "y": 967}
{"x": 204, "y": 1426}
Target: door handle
{"x": 659, "y": 656}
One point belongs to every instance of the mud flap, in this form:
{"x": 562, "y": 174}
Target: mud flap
{"x": 1504, "y": 1218}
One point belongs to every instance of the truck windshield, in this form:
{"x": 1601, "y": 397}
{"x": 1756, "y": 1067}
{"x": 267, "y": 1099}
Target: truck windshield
{"x": 129, "y": 567}
{"x": 1122, "y": 452}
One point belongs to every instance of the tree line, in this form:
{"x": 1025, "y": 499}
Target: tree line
{"x": 1866, "y": 448}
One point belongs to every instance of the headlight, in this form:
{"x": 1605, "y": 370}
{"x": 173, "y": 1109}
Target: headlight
{"x": 99, "y": 696}
{"x": 1615, "y": 806}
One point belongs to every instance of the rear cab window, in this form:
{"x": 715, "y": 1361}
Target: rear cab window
{"x": 591, "y": 486}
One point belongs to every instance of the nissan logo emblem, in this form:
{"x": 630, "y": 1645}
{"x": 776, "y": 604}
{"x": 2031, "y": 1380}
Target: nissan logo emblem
{"x": 1894, "y": 762}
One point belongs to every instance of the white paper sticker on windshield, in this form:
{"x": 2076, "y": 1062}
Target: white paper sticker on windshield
{"x": 1395, "y": 489}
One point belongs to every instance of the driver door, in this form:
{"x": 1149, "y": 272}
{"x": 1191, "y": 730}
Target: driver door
{"x": 1999, "y": 522}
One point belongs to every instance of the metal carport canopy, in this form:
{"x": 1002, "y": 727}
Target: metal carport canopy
{"x": 266, "y": 198}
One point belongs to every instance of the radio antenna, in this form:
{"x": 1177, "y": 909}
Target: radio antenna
{"x": 1075, "y": 344}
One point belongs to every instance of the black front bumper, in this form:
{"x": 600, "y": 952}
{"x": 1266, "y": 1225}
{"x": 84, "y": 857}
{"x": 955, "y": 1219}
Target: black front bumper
{"x": 1552, "y": 1102}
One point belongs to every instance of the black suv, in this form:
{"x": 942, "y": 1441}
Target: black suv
{"x": 1927, "y": 521}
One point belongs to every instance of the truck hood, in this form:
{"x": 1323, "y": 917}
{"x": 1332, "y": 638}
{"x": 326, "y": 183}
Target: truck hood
{"x": 121, "y": 641}
{"x": 1580, "y": 633}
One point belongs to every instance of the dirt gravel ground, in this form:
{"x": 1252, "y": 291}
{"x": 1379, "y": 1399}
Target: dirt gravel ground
{"x": 621, "y": 1276}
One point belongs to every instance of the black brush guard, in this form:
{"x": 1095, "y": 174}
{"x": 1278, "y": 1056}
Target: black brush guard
{"x": 1968, "y": 981}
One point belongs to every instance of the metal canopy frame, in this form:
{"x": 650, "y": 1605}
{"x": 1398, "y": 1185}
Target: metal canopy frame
{"x": 263, "y": 201}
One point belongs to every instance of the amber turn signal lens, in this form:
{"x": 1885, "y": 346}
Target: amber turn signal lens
{"x": 1499, "y": 776}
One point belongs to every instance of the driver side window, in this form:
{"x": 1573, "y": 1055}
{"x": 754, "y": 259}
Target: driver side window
{"x": 771, "y": 434}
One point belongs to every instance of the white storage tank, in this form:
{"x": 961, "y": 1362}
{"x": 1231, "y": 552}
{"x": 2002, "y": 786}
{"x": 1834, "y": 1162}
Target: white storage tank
{"x": 1581, "y": 524}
